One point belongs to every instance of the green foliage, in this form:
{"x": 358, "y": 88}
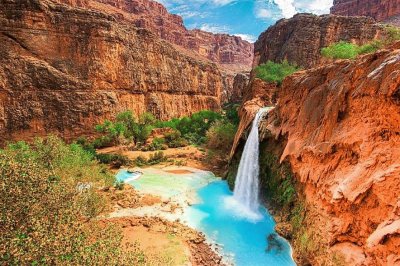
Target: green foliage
{"x": 119, "y": 184}
{"x": 116, "y": 160}
{"x": 220, "y": 136}
{"x": 371, "y": 47}
{"x": 231, "y": 113}
{"x": 155, "y": 158}
{"x": 277, "y": 180}
{"x": 392, "y": 32}
{"x": 174, "y": 139}
{"x": 275, "y": 72}
{"x": 340, "y": 50}
{"x": 194, "y": 127}
{"x": 345, "y": 50}
{"x": 124, "y": 129}
{"x": 158, "y": 144}
{"x": 141, "y": 161}
{"x": 47, "y": 204}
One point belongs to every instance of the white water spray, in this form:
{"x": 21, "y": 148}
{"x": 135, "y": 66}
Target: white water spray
{"x": 247, "y": 184}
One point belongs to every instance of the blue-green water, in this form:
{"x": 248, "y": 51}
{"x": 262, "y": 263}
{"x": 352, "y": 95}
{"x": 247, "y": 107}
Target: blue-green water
{"x": 245, "y": 240}
{"x": 242, "y": 237}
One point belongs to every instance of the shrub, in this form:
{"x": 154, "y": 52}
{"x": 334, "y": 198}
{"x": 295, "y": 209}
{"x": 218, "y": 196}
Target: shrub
{"x": 157, "y": 144}
{"x": 340, "y": 50}
{"x": 45, "y": 218}
{"x": 393, "y": 33}
{"x": 345, "y": 50}
{"x": 371, "y": 47}
{"x": 275, "y": 72}
{"x": 116, "y": 160}
{"x": 174, "y": 139}
{"x": 156, "y": 158}
{"x": 220, "y": 136}
{"x": 141, "y": 161}
{"x": 231, "y": 113}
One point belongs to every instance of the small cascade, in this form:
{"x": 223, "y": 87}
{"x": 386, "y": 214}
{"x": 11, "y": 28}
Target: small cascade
{"x": 247, "y": 184}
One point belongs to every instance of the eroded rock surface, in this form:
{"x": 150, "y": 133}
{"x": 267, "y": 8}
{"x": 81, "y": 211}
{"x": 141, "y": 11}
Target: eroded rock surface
{"x": 64, "y": 69}
{"x": 381, "y": 10}
{"x": 342, "y": 127}
{"x": 229, "y": 51}
{"x": 301, "y": 38}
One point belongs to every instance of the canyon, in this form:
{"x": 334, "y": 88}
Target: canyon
{"x": 231, "y": 52}
{"x": 65, "y": 68}
{"x": 301, "y": 38}
{"x": 338, "y": 126}
{"x": 381, "y": 10}
{"x": 66, "y": 65}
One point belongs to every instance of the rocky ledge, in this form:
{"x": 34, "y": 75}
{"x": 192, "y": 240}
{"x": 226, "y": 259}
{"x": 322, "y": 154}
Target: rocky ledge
{"x": 339, "y": 125}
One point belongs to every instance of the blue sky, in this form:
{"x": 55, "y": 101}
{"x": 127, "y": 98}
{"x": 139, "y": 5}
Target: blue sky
{"x": 245, "y": 18}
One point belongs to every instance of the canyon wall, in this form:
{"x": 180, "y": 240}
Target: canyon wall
{"x": 301, "y": 38}
{"x": 64, "y": 69}
{"x": 380, "y": 10}
{"x": 229, "y": 51}
{"x": 339, "y": 125}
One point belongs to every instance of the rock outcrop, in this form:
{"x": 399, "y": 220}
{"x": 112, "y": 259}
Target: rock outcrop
{"x": 301, "y": 38}
{"x": 380, "y": 10}
{"x": 64, "y": 69}
{"x": 229, "y": 51}
{"x": 341, "y": 125}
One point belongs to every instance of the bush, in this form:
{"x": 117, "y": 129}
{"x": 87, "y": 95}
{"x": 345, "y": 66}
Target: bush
{"x": 116, "y": 160}
{"x": 340, "y": 50}
{"x": 140, "y": 161}
{"x": 174, "y": 139}
{"x": 157, "y": 144}
{"x": 393, "y": 33}
{"x": 220, "y": 136}
{"x": 46, "y": 218}
{"x": 345, "y": 50}
{"x": 156, "y": 158}
{"x": 371, "y": 47}
{"x": 275, "y": 72}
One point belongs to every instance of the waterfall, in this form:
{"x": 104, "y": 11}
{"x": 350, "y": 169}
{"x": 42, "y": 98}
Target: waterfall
{"x": 247, "y": 184}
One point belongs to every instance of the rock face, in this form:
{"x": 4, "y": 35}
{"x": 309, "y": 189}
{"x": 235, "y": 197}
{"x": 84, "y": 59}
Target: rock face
{"x": 63, "y": 69}
{"x": 230, "y": 51}
{"x": 380, "y": 10}
{"x": 301, "y": 38}
{"x": 341, "y": 125}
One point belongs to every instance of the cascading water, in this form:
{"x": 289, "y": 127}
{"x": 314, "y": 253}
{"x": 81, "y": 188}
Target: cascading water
{"x": 246, "y": 186}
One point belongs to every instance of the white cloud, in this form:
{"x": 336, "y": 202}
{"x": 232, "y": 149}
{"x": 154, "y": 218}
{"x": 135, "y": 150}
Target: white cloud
{"x": 214, "y": 28}
{"x": 287, "y": 7}
{"x": 246, "y": 37}
{"x": 290, "y": 7}
{"x": 317, "y": 6}
{"x": 263, "y": 13}
{"x": 222, "y": 2}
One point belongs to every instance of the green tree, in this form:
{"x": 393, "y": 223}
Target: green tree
{"x": 48, "y": 204}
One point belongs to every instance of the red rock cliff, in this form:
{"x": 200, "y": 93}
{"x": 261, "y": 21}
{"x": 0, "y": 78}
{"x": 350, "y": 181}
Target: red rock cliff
{"x": 380, "y": 10}
{"x": 229, "y": 51}
{"x": 63, "y": 69}
{"x": 341, "y": 123}
{"x": 301, "y": 38}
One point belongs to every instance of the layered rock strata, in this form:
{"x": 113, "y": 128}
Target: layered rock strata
{"x": 229, "y": 51}
{"x": 341, "y": 125}
{"x": 301, "y": 38}
{"x": 380, "y": 10}
{"x": 64, "y": 69}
